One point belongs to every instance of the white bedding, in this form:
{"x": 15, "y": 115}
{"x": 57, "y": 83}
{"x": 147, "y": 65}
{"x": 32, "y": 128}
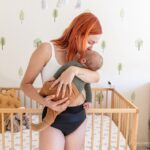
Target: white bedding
{"x": 35, "y": 136}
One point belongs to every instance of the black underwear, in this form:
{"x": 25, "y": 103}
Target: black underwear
{"x": 69, "y": 120}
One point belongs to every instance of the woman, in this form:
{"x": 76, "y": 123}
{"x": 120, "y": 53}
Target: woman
{"x": 83, "y": 32}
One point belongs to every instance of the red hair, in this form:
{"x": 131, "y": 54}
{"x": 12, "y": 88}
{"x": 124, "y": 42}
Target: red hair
{"x": 75, "y": 36}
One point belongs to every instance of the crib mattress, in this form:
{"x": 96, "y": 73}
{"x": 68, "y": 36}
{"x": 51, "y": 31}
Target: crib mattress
{"x": 97, "y": 122}
{"x": 105, "y": 134}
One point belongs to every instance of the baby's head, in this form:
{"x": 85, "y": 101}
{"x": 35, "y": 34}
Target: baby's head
{"x": 92, "y": 60}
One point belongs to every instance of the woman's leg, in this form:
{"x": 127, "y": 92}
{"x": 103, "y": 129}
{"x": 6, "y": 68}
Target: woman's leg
{"x": 51, "y": 139}
{"x": 75, "y": 140}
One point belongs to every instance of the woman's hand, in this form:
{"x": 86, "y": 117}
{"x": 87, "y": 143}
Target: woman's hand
{"x": 64, "y": 81}
{"x": 59, "y": 105}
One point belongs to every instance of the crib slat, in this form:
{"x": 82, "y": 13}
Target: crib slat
{"x": 101, "y": 131}
{"x": 92, "y": 136}
{"x": 122, "y": 123}
{"x": 101, "y": 106}
{"x": 12, "y": 132}
{"x": 25, "y": 100}
{"x": 21, "y": 134}
{"x": 125, "y": 121}
{"x": 30, "y": 120}
{"x": 39, "y": 118}
{"x": 36, "y": 104}
{"x": 112, "y": 100}
{"x": 118, "y": 135}
{"x": 110, "y": 126}
{"x": 19, "y": 93}
{"x": 114, "y": 106}
{"x": 30, "y": 103}
{"x": 3, "y": 135}
{"x": 127, "y": 131}
{"x": 106, "y": 99}
{"x": 95, "y": 98}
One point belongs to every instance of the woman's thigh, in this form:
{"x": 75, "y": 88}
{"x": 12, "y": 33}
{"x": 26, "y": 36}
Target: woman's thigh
{"x": 51, "y": 139}
{"x": 75, "y": 140}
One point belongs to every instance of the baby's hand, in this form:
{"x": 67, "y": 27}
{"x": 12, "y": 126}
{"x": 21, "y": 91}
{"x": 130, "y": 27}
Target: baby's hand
{"x": 87, "y": 105}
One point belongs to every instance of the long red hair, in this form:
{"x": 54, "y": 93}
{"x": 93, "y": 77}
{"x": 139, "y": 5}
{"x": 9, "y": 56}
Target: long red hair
{"x": 74, "y": 37}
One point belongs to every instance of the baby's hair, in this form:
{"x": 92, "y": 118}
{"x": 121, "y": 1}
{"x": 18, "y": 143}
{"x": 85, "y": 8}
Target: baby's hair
{"x": 94, "y": 60}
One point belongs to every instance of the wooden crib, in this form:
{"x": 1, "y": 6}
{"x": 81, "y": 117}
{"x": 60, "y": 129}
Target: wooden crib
{"x": 107, "y": 102}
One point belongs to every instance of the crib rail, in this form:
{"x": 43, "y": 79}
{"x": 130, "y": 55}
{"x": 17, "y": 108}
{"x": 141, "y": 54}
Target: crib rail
{"x": 128, "y": 121}
{"x": 120, "y": 109}
{"x": 20, "y": 111}
{"x": 106, "y": 102}
{"x": 123, "y": 119}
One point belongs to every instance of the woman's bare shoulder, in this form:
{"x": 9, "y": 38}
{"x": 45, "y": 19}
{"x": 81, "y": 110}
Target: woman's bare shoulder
{"x": 44, "y": 48}
{"x": 43, "y": 51}
{"x": 38, "y": 60}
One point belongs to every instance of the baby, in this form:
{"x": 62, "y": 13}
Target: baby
{"x": 91, "y": 60}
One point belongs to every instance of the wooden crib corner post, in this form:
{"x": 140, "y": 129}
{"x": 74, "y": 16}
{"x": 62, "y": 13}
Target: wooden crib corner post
{"x": 133, "y": 143}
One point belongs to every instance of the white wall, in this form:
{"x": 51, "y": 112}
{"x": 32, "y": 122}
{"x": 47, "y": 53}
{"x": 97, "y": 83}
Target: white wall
{"x": 123, "y": 23}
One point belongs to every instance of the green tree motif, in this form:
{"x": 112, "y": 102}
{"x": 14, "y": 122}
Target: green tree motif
{"x": 133, "y": 96}
{"x": 37, "y": 42}
{"x": 122, "y": 13}
{"x": 20, "y": 71}
{"x": 55, "y": 14}
{"x": 103, "y": 45}
{"x": 119, "y": 68}
{"x": 2, "y": 42}
{"x": 139, "y": 44}
{"x": 21, "y": 16}
{"x": 99, "y": 97}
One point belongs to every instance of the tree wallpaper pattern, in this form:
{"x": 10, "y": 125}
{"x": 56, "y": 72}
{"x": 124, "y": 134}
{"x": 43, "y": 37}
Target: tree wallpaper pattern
{"x": 2, "y": 42}
{"x": 55, "y": 14}
{"x": 21, "y": 16}
{"x": 103, "y": 45}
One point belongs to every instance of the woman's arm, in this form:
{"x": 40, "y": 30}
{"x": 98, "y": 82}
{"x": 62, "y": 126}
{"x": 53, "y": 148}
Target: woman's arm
{"x": 36, "y": 63}
{"x": 86, "y": 75}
